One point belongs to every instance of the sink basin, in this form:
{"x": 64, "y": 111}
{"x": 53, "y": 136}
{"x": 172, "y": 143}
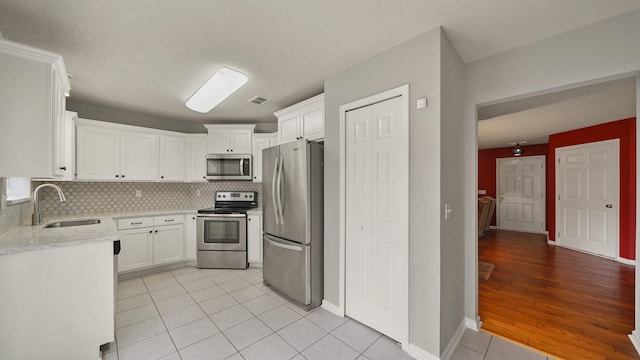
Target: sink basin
{"x": 73, "y": 223}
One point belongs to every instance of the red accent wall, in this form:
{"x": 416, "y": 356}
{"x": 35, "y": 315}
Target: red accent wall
{"x": 625, "y": 130}
{"x": 487, "y": 166}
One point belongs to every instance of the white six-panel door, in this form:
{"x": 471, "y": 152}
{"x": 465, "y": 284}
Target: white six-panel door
{"x": 521, "y": 194}
{"x": 377, "y": 216}
{"x": 587, "y": 189}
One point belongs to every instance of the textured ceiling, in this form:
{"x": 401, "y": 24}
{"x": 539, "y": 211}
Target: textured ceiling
{"x": 533, "y": 119}
{"x": 149, "y": 56}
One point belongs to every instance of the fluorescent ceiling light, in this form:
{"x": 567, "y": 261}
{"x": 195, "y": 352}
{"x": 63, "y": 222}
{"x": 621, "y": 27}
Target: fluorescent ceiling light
{"x": 222, "y": 84}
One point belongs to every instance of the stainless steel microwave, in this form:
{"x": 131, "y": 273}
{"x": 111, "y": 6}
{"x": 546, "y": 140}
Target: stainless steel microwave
{"x": 229, "y": 167}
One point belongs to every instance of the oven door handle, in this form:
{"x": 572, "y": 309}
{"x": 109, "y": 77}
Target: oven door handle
{"x": 273, "y": 191}
{"x": 221, "y": 216}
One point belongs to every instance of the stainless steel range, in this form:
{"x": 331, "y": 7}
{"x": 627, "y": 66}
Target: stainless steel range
{"x": 222, "y": 230}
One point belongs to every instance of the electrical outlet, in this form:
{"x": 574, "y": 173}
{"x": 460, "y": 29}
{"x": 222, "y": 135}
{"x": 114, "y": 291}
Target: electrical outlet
{"x": 198, "y": 193}
{"x": 138, "y": 193}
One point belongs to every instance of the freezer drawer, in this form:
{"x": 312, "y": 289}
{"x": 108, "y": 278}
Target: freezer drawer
{"x": 286, "y": 267}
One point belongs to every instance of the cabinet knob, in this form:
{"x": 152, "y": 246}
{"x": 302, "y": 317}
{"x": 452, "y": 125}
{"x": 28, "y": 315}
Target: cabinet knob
{"x": 63, "y": 168}
{"x": 193, "y": 218}
{"x": 204, "y": 177}
{"x": 117, "y": 175}
{"x": 122, "y": 175}
{"x": 150, "y": 231}
{"x": 161, "y": 177}
{"x": 156, "y": 231}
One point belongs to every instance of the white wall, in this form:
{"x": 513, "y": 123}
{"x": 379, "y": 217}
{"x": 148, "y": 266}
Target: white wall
{"x": 603, "y": 51}
{"x": 417, "y": 63}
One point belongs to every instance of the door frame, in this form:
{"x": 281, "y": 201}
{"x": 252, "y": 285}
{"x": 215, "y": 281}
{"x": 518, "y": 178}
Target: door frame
{"x": 544, "y": 188}
{"x": 401, "y": 91}
{"x": 616, "y": 145}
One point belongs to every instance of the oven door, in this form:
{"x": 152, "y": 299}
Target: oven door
{"x": 222, "y": 232}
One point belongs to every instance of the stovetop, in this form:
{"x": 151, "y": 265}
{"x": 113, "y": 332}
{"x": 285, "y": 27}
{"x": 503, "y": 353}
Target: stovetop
{"x": 232, "y": 202}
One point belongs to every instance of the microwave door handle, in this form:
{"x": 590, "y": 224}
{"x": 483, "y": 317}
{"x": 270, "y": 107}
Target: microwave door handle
{"x": 241, "y": 167}
{"x": 273, "y": 191}
{"x": 280, "y": 191}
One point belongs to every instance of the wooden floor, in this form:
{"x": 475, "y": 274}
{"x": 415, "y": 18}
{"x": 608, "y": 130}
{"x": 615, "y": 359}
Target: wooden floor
{"x": 562, "y": 302}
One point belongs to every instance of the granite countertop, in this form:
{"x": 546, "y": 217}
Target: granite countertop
{"x": 36, "y": 237}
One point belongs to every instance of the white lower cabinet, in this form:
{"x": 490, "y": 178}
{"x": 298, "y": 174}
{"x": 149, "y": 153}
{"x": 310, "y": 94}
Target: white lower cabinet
{"x": 254, "y": 238}
{"x": 136, "y": 249}
{"x": 190, "y": 251}
{"x": 150, "y": 241}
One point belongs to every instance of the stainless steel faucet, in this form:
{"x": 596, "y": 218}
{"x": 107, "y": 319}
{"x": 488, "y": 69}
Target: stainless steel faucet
{"x": 36, "y": 218}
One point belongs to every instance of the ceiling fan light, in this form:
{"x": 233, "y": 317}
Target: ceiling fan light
{"x": 517, "y": 151}
{"x": 219, "y": 86}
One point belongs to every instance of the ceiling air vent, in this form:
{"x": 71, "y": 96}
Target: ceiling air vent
{"x": 258, "y": 100}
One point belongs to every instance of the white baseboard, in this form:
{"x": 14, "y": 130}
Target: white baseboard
{"x": 455, "y": 340}
{"x": 626, "y": 261}
{"x": 420, "y": 354}
{"x": 635, "y": 340}
{"x": 332, "y": 308}
{"x": 473, "y": 324}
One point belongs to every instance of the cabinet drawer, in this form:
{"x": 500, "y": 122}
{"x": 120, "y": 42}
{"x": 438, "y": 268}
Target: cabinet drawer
{"x": 168, "y": 220}
{"x": 132, "y": 223}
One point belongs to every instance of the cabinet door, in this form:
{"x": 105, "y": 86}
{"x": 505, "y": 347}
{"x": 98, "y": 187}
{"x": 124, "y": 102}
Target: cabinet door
{"x": 288, "y": 127}
{"x": 97, "y": 153}
{"x": 168, "y": 244}
{"x": 312, "y": 121}
{"x": 138, "y": 156}
{"x": 190, "y": 240}
{"x": 259, "y": 144}
{"x": 60, "y": 136}
{"x": 197, "y": 159}
{"x": 171, "y": 158}
{"x": 136, "y": 249}
{"x": 241, "y": 141}
{"x": 219, "y": 141}
{"x": 254, "y": 239}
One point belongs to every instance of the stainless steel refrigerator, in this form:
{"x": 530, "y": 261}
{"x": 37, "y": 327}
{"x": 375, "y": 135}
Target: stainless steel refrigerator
{"x": 293, "y": 220}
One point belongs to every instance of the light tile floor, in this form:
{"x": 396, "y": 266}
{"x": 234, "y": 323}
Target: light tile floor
{"x": 193, "y": 313}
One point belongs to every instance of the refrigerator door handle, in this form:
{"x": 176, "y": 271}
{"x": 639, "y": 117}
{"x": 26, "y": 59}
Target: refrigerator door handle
{"x": 273, "y": 191}
{"x": 279, "y": 193}
{"x": 284, "y": 246}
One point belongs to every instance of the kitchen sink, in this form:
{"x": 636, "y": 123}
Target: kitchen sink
{"x": 73, "y": 223}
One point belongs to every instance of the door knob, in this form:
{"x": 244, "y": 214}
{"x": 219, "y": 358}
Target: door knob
{"x": 609, "y": 206}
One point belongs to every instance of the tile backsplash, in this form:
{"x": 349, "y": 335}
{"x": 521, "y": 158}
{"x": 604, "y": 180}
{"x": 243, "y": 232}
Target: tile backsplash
{"x": 95, "y": 198}
{"x": 15, "y": 215}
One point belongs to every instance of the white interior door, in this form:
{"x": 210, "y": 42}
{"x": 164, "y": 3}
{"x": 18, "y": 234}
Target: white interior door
{"x": 377, "y": 216}
{"x": 587, "y": 188}
{"x": 521, "y": 194}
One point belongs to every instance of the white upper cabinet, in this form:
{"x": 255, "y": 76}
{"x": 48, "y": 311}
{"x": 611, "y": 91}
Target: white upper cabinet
{"x": 304, "y": 120}
{"x": 138, "y": 156}
{"x": 33, "y": 85}
{"x": 196, "y": 157}
{"x": 172, "y": 157}
{"x": 229, "y": 139}
{"x": 105, "y": 152}
{"x": 261, "y": 142}
{"x": 97, "y": 152}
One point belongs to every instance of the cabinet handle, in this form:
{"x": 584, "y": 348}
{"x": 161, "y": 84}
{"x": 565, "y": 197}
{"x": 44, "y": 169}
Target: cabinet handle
{"x": 169, "y": 220}
{"x": 137, "y": 223}
{"x": 63, "y": 168}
